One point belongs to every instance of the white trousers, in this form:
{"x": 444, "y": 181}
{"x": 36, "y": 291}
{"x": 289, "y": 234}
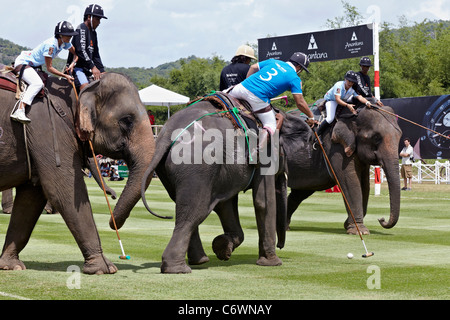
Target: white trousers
{"x": 268, "y": 118}
{"x": 35, "y": 85}
{"x": 331, "y": 107}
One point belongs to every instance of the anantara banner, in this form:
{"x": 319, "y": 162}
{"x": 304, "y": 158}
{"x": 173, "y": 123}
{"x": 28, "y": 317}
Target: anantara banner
{"x": 432, "y": 112}
{"x": 320, "y": 46}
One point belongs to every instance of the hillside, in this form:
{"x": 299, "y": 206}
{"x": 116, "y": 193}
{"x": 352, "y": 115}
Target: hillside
{"x": 9, "y": 51}
{"x": 140, "y": 76}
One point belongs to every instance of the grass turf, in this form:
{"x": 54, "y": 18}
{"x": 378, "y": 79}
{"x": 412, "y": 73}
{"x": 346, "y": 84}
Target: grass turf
{"x": 411, "y": 261}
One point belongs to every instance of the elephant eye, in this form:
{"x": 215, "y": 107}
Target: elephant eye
{"x": 377, "y": 138}
{"x": 126, "y": 124}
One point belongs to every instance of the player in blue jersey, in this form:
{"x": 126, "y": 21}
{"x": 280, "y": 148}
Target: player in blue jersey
{"x": 270, "y": 78}
{"x": 341, "y": 94}
{"x": 42, "y": 54}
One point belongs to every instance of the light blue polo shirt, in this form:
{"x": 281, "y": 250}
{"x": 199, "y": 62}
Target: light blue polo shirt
{"x": 339, "y": 90}
{"x": 273, "y": 78}
{"x": 36, "y": 57}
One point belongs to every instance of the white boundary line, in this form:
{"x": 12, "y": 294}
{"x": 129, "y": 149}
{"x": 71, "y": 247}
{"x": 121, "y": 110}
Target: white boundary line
{"x": 4, "y": 294}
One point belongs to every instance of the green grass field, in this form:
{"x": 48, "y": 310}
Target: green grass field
{"x": 411, "y": 261}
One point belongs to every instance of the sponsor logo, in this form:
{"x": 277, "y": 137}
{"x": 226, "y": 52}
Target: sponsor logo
{"x": 274, "y": 53}
{"x": 354, "y": 46}
{"x": 313, "y": 46}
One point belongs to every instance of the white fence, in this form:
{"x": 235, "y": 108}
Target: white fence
{"x": 439, "y": 172}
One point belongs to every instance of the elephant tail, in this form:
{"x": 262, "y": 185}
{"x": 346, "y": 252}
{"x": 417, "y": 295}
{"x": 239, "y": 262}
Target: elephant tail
{"x": 162, "y": 147}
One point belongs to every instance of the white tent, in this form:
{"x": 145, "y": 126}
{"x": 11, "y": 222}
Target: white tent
{"x": 157, "y": 96}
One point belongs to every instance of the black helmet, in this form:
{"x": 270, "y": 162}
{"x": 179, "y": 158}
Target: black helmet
{"x": 65, "y": 28}
{"x": 365, "y": 61}
{"x": 301, "y": 59}
{"x": 95, "y": 10}
{"x": 351, "y": 76}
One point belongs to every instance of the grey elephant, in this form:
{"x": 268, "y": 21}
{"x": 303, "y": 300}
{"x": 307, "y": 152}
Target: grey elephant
{"x": 355, "y": 143}
{"x": 8, "y": 199}
{"x": 198, "y": 186}
{"x": 111, "y": 114}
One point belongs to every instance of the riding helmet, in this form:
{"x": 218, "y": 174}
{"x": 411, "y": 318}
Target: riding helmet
{"x": 65, "y": 28}
{"x": 95, "y": 10}
{"x": 301, "y": 59}
{"x": 365, "y": 61}
{"x": 351, "y": 76}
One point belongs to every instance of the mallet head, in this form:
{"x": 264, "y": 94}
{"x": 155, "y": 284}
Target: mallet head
{"x": 368, "y": 254}
{"x": 125, "y": 257}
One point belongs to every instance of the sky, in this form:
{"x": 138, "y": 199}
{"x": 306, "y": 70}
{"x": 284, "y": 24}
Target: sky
{"x": 148, "y": 33}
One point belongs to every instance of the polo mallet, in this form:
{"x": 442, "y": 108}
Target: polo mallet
{"x": 367, "y": 254}
{"x": 414, "y": 123}
{"x": 285, "y": 98}
{"x": 123, "y": 256}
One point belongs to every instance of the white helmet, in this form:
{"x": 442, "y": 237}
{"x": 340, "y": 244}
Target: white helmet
{"x": 245, "y": 51}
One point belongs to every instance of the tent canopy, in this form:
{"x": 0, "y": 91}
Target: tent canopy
{"x": 157, "y": 96}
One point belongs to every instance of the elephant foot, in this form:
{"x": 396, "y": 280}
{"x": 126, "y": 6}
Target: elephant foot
{"x": 99, "y": 265}
{"x": 271, "y": 261}
{"x": 175, "y": 267}
{"x": 12, "y": 264}
{"x": 7, "y": 210}
{"x": 223, "y": 247}
{"x": 198, "y": 261}
{"x": 351, "y": 229}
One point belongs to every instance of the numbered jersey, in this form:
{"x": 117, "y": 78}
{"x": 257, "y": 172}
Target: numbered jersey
{"x": 273, "y": 78}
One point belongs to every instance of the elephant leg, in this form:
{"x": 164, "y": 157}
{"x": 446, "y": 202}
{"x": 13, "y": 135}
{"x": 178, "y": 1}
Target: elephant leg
{"x": 365, "y": 187}
{"x": 28, "y": 205}
{"x": 190, "y": 212}
{"x": 7, "y": 201}
{"x": 196, "y": 253}
{"x": 295, "y": 198}
{"x": 352, "y": 188}
{"x": 264, "y": 200}
{"x": 80, "y": 221}
{"x": 223, "y": 245}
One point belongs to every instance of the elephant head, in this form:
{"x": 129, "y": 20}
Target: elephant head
{"x": 112, "y": 116}
{"x": 376, "y": 137}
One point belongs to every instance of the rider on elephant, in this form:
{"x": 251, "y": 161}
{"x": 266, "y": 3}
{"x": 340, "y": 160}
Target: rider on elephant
{"x": 42, "y": 54}
{"x": 86, "y": 47}
{"x": 362, "y": 86}
{"x": 270, "y": 78}
{"x": 340, "y": 94}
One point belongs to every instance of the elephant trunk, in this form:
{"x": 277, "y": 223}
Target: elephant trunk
{"x": 142, "y": 146}
{"x": 392, "y": 174}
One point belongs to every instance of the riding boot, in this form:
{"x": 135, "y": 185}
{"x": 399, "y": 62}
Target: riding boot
{"x": 323, "y": 126}
{"x": 262, "y": 143}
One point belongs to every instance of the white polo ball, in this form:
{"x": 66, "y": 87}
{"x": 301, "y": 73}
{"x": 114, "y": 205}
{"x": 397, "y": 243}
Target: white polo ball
{"x": 350, "y": 255}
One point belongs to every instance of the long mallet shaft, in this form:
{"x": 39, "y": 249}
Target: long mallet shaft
{"x": 123, "y": 256}
{"x": 367, "y": 254}
{"x": 412, "y": 122}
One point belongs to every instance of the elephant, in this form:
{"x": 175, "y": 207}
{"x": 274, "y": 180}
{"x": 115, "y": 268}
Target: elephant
{"x": 111, "y": 115}
{"x": 198, "y": 186}
{"x": 8, "y": 200}
{"x": 355, "y": 143}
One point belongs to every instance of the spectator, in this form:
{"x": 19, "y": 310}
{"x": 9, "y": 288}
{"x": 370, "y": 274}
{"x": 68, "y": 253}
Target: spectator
{"x": 407, "y": 155}
{"x": 236, "y": 72}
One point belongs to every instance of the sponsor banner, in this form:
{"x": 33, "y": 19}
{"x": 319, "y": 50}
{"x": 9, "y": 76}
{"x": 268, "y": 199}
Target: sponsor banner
{"x": 432, "y": 112}
{"x": 320, "y": 46}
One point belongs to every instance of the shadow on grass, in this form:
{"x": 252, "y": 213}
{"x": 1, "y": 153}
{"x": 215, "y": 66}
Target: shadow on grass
{"x": 330, "y": 230}
{"x": 62, "y": 266}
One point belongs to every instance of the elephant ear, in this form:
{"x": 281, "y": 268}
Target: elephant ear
{"x": 86, "y": 111}
{"x": 344, "y": 132}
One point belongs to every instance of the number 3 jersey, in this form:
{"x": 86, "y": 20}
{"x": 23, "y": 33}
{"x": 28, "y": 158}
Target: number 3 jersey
{"x": 273, "y": 78}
